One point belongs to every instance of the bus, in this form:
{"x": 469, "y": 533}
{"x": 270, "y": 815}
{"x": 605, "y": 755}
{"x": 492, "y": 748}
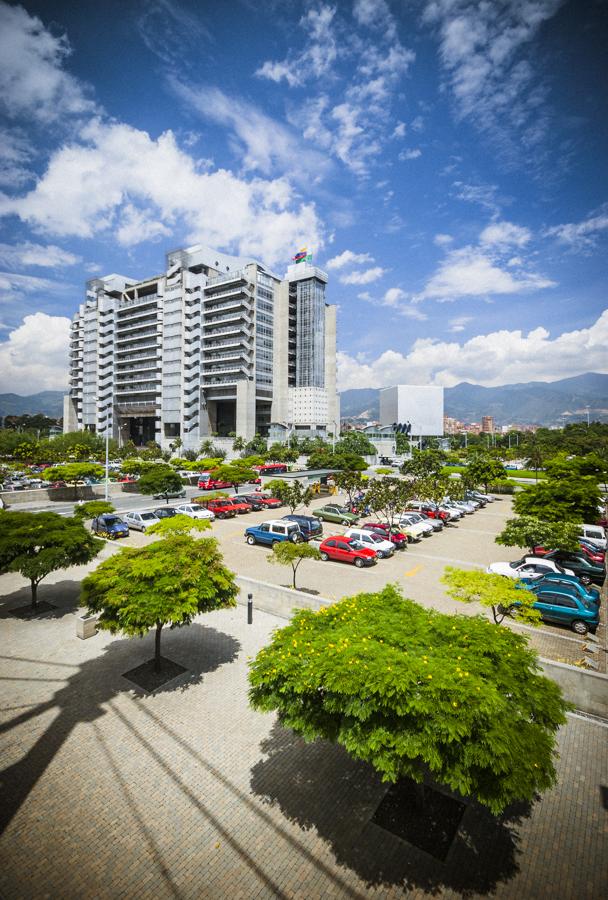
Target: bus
{"x": 271, "y": 469}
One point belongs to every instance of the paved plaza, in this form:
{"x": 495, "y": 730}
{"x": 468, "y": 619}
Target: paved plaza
{"x": 188, "y": 793}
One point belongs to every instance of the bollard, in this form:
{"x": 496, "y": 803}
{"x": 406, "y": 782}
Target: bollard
{"x": 250, "y": 609}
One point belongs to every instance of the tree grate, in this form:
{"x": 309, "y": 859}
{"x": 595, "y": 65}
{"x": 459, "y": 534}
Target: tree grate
{"x": 431, "y": 827}
{"x": 146, "y": 678}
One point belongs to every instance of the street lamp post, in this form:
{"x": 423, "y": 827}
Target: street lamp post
{"x": 107, "y": 490}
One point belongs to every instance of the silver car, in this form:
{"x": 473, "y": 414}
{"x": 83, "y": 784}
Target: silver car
{"x": 140, "y": 521}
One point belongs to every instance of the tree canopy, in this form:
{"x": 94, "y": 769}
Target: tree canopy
{"x": 496, "y": 592}
{"x": 166, "y": 583}
{"x": 355, "y": 442}
{"x": 529, "y": 532}
{"x": 290, "y": 493}
{"x": 416, "y": 693}
{"x": 36, "y": 544}
{"x": 388, "y": 497}
{"x": 287, "y": 553}
{"x": 327, "y": 459}
{"x": 484, "y": 469}
{"x": 93, "y": 508}
{"x": 160, "y": 479}
{"x": 560, "y": 499}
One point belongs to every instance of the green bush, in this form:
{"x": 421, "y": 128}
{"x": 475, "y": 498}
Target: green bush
{"x": 504, "y": 486}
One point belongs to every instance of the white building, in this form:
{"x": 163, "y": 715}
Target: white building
{"x": 215, "y": 344}
{"x": 419, "y": 406}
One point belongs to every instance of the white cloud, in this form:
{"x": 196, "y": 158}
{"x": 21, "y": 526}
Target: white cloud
{"x": 483, "y": 195}
{"x": 34, "y": 356}
{"x": 117, "y": 171}
{"x": 33, "y": 84}
{"x": 168, "y": 28}
{"x": 502, "y": 357}
{"x": 504, "y": 234}
{"x": 316, "y": 60}
{"x": 469, "y": 272}
{"x": 481, "y": 47}
{"x": 399, "y": 130}
{"x": 365, "y": 277}
{"x": 398, "y": 301}
{"x": 581, "y": 235}
{"x": 348, "y": 258}
{"x": 459, "y": 322}
{"x": 442, "y": 240}
{"x": 29, "y": 254}
{"x": 410, "y": 154}
{"x": 16, "y": 155}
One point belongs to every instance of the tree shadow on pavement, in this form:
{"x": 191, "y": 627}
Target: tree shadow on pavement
{"x": 319, "y": 786}
{"x": 63, "y": 595}
{"x": 87, "y": 689}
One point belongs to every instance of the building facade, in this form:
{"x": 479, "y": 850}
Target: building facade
{"x": 420, "y": 406}
{"x": 487, "y": 424}
{"x": 214, "y": 345}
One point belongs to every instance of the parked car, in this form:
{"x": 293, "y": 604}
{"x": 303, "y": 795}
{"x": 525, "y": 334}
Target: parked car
{"x": 594, "y": 554}
{"x": 585, "y": 592}
{"x": 529, "y": 566}
{"x": 412, "y": 522}
{"x": 578, "y": 563}
{"x": 465, "y": 506}
{"x": 221, "y": 507}
{"x": 110, "y": 526}
{"x": 343, "y": 549}
{"x": 310, "y": 526}
{"x": 273, "y": 532}
{"x": 140, "y": 521}
{"x": 436, "y": 524}
{"x": 165, "y": 512}
{"x": 195, "y": 511}
{"x": 397, "y": 538}
{"x": 559, "y": 605}
{"x": 255, "y": 503}
{"x": 457, "y": 512}
{"x": 171, "y": 495}
{"x": 595, "y": 534}
{"x": 382, "y": 547}
{"x": 486, "y": 498}
{"x": 333, "y": 512}
{"x": 267, "y": 502}
{"x": 430, "y": 510}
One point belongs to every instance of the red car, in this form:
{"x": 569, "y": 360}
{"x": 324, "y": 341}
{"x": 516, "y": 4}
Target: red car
{"x": 268, "y": 502}
{"x": 597, "y": 557}
{"x": 222, "y": 508}
{"x": 397, "y": 537}
{"x": 343, "y": 549}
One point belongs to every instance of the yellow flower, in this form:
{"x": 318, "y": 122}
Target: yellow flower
{"x": 454, "y": 704}
{"x": 429, "y": 676}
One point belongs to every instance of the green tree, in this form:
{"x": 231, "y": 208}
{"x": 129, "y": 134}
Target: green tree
{"x": 484, "y": 469}
{"x": 355, "y": 442}
{"x": 388, "y": 498}
{"x": 287, "y": 553}
{"x": 160, "y": 479}
{"x": 36, "y": 544}
{"x": 416, "y": 693}
{"x": 290, "y": 493}
{"x": 136, "y": 466}
{"x": 166, "y": 583}
{"x": 207, "y": 448}
{"x": 351, "y": 482}
{"x": 425, "y": 464}
{"x": 326, "y": 459}
{"x": 235, "y": 474}
{"x": 73, "y": 473}
{"x": 257, "y": 444}
{"x": 528, "y": 532}
{"x": 496, "y": 592}
{"x": 179, "y": 524}
{"x": 555, "y": 499}
{"x": 92, "y": 509}
{"x": 238, "y": 444}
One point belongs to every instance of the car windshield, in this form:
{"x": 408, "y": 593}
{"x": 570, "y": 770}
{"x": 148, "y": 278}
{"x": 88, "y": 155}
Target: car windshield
{"x": 113, "y": 520}
{"x": 376, "y": 538}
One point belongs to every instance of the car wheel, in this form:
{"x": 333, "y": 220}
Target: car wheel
{"x": 324, "y": 557}
{"x": 344, "y": 522}
{"x": 250, "y": 539}
{"x": 585, "y": 579}
{"x": 579, "y": 627}
{"x": 359, "y": 562}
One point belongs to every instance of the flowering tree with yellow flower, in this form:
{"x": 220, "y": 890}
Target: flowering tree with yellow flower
{"x": 416, "y": 693}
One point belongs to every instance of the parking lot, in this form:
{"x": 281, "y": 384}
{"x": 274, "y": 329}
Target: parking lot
{"x": 417, "y": 570}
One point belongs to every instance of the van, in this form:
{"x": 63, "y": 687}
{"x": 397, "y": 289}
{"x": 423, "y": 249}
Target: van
{"x": 595, "y": 534}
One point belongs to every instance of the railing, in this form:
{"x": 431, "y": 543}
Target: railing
{"x": 238, "y": 275}
{"x": 139, "y": 301}
{"x": 230, "y": 330}
{"x": 239, "y": 314}
{"x": 211, "y": 298}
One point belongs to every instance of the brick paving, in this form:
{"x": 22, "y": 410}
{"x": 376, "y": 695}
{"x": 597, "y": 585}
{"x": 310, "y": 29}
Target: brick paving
{"x": 188, "y": 793}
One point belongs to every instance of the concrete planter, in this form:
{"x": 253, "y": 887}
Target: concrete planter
{"x": 86, "y": 626}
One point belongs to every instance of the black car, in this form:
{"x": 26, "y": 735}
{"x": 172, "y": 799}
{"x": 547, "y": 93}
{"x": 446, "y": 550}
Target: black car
{"x": 165, "y": 512}
{"x": 579, "y": 564}
{"x": 309, "y": 525}
{"x": 254, "y": 502}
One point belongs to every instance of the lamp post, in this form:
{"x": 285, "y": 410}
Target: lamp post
{"x": 333, "y": 440}
{"x": 107, "y": 490}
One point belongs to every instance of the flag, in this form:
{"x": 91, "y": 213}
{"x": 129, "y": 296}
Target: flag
{"x": 300, "y": 255}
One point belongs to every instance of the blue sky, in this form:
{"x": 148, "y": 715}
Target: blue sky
{"x": 444, "y": 160}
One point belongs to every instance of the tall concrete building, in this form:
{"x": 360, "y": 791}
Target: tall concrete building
{"x": 420, "y": 406}
{"x": 214, "y": 345}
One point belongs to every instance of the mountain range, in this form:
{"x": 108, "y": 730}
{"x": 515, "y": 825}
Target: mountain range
{"x": 532, "y": 403}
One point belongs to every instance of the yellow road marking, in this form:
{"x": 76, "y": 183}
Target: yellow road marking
{"x": 414, "y": 571}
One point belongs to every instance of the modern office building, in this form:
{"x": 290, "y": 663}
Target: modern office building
{"x": 420, "y": 406}
{"x": 214, "y": 345}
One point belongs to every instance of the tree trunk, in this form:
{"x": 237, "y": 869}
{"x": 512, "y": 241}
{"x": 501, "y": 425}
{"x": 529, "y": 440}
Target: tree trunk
{"x": 159, "y": 626}
{"x": 34, "y": 585}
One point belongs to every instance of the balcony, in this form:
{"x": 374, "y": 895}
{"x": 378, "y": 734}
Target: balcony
{"x": 138, "y": 408}
{"x": 241, "y": 313}
{"x": 238, "y": 275}
{"x": 233, "y": 292}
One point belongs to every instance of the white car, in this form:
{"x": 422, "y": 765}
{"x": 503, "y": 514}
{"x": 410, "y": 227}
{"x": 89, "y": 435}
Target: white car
{"x": 595, "y": 534}
{"x": 372, "y": 541}
{"x": 140, "y": 521}
{"x": 194, "y": 511}
{"x": 528, "y": 567}
{"x": 414, "y": 521}
{"x": 467, "y": 508}
{"x": 456, "y": 511}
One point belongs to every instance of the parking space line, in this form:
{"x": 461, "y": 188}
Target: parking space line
{"x": 414, "y": 571}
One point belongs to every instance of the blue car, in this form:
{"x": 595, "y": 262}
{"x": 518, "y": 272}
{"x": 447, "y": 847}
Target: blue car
{"x": 273, "y": 532}
{"x": 110, "y": 526}
{"x": 561, "y": 605}
{"x": 585, "y": 592}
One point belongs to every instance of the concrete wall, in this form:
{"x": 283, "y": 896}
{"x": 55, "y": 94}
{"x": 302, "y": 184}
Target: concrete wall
{"x": 588, "y": 691}
{"x": 65, "y": 495}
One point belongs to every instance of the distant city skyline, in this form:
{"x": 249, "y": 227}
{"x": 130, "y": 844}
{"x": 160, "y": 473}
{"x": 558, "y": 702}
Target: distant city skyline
{"x": 445, "y": 161}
